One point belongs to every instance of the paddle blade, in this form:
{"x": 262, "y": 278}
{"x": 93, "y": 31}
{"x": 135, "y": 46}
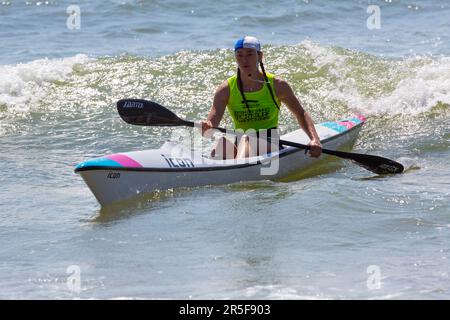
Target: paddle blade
{"x": 383, "y": 166}
{"x": 376, "y": 164}
{"x": 147, "y": 113}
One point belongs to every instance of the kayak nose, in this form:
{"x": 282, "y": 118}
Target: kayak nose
{"x": 97, "y": 162}
{"x": 111, "y": 161}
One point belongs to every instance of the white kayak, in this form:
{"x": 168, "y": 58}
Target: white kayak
{"x": 121, "y": 176}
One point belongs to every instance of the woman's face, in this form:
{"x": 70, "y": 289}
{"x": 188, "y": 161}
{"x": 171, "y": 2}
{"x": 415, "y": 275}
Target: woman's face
{"x": 248, "y": 60}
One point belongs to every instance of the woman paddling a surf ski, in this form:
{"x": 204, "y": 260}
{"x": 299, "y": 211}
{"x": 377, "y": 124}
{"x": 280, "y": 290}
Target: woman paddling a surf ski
{"x": 253, "y": 99}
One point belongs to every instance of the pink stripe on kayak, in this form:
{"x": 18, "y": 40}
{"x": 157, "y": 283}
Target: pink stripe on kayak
{"x": 124, "y": 160}
{"x": 347, "y": 124}
{"x": 360, "y": 117}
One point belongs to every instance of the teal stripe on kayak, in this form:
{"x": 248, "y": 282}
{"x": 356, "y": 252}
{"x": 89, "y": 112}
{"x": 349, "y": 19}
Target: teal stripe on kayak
{"x": 99, "y": 162}
{"x": 335, "y": 126}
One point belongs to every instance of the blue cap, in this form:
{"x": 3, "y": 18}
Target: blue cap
{"x": 248, "y": 42}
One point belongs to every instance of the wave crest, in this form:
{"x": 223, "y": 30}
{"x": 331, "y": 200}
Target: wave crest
{"x": 24, "y": 85}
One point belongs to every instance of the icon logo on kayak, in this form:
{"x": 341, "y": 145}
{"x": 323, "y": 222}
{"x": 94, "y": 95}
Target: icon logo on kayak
{"x": 113, "y": 175}
{"x": 178, "y": 162}
{"x": 134, "y": 104}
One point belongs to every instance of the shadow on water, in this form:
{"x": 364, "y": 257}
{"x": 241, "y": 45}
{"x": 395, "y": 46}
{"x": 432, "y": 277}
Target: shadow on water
{"x": 328, "y": 165}
{"x": 262, "y": 192}
{"x": 263, "y": 186}
{"x": 162, "y": 200}
{"x": 135, "y": 206}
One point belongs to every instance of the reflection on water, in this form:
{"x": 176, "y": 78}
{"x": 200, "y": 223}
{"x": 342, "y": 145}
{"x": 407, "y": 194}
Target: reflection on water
{"x": 136, "y": 205}
{"x": 328, "y": 164}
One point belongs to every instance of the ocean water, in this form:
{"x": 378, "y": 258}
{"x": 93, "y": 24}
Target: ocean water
{"x": 342, "y": 233}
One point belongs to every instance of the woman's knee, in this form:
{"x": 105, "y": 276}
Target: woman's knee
{"x": 224, "y": 149}
{"x": 245, "y": 149}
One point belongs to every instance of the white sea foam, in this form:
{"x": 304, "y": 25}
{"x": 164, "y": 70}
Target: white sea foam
{"x": 25, "y": 84}
{"x": 429, "y": 86}
{"x": 420, "y": 92}
{"x": 414, "y": 85}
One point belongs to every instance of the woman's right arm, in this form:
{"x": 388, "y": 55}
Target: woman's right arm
{"x": 218, "y": 108}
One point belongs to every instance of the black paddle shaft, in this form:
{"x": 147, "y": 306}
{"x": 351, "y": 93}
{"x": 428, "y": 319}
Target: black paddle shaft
{"x": 148, "y": 113}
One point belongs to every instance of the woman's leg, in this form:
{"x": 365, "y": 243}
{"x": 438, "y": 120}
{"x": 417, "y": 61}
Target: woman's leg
{"x": 250, "y": 146}
{"x": 224, "y": 149}
{"x": 246, "y": 148}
